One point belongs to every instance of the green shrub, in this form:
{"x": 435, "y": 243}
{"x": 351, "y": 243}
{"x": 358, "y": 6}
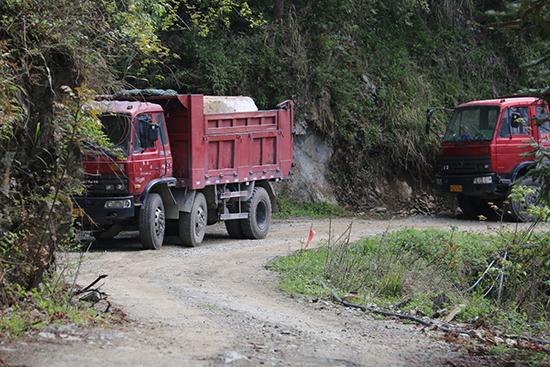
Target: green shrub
{"x": 288, "y": 208}
{"x": 418, "y": 265}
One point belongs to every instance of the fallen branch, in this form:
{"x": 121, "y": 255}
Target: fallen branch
{"x": 423, "y": 322}
{"x": 385, "y": 313}
{"x": 92, "y": 284}
{"x": 519, "y": 337}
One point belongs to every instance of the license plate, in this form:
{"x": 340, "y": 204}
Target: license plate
{"x": 78, "y": 212}
{"x": 456, "y": 188}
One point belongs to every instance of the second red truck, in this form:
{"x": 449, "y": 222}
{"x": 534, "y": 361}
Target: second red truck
{"x": 483, "y": 153}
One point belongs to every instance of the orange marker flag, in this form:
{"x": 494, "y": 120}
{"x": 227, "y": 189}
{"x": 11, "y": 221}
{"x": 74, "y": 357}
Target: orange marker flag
{"x": 311, "y": 234}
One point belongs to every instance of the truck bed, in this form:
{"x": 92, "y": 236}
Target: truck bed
{"x": 227, "y": 147}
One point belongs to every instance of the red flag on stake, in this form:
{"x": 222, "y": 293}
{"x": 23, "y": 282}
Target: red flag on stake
{"x": 311, "y": 234}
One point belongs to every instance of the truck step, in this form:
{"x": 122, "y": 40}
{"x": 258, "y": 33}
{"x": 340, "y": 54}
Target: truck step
{"x": 233, "y": 194}
{"x": 234, "y": 216}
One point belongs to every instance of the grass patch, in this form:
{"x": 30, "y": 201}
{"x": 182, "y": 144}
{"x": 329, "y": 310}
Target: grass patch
{"x": 56, "y": 302}
{"x": 426, "y": 272}
{"x": 321, "y": 209}
{"x": 36, "y": 310}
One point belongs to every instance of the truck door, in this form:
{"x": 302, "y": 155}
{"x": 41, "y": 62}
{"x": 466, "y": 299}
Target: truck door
{"x": 511, "y": 137}
{"x": 164, "y": 146}
{"x": 148, "y": 155}
{"x": 544, "y": 125}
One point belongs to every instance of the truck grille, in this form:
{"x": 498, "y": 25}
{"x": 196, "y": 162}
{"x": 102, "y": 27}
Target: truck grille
{"x": 453, "y": 165}
{"x": 106, "y": 185}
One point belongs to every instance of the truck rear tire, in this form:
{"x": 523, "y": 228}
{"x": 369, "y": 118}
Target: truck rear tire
{"x": 152, "y": 222}
{"x": 193, "y": 224}
{"x": 518, "y": 208}
{"x": 233, "y": 226}
{"x": 258, "y": 207}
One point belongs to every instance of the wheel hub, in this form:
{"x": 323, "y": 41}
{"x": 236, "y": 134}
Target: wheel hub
{"x": 200, "y": 220}
{"x": 160, "y": 222}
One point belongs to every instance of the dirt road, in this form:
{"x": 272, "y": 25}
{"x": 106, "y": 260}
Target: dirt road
{"x": 217, "y": 305}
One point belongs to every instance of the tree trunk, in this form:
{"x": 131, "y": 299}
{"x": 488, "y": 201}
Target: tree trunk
{"x": 279, "y": 9}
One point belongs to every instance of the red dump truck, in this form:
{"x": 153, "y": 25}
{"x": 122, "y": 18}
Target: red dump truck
{"x": 186, "y": 163}
{"x": 481, "y": 155}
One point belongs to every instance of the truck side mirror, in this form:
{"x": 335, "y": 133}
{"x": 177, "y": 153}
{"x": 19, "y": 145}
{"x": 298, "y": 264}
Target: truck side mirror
{"x": 515, "y": 120}
{"x": 152, "y": 132}
{"x": 429, "y": 113}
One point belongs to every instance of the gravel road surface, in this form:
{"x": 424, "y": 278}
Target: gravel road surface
{"x": 217, "y": 305}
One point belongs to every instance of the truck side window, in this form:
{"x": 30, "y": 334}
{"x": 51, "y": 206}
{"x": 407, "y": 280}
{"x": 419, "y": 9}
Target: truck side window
{"x": 160, "y": 122}
{"x": 523, "y": 127}
{"x": 542, "y": 114}
{"x": 140, "y": 135}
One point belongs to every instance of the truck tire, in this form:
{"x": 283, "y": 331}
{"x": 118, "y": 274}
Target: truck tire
{"x": 107, "y": 234}
{"x": 233, "y": 226}
{"x": 152, "y": 222}
{"x": 234, "y": 229}
{"x": 473, "y": 207}
{"x": 193, "y": 224}
{"x": 518, "y": 208}
{"x": 258, "y": 207}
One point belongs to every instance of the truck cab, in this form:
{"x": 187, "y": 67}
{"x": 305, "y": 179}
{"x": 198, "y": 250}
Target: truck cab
{"x": 116, "y": 179}
{"x": 483, "y": 153}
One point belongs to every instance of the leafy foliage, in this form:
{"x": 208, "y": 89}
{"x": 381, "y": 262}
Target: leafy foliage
{"x": 47, "y": 52}
{"x": 360, "y": 72}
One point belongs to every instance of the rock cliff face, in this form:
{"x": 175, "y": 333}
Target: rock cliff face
{"x": 312, "y": 155}
{"x": 400, "y": 196}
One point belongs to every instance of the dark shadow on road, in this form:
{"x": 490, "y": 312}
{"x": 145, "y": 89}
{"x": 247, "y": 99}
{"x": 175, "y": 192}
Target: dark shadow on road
{"x": 129, "y": 242}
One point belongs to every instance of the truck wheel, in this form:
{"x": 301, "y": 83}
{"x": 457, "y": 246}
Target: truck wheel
{"x": 107, "y": 234}
{"x": 233, "y": 226}
{"x": 256, "y": 226}
{"x": 518, "y": 208}
{"x": 152, "y": 223}
{"x": 474, "y": 207}
{"x": 193, "y": 224}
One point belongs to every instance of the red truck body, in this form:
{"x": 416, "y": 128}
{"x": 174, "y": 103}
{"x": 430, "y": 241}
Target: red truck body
{"x": 228, "y": 147}
{"x": 181, "y": 156}
{"x": 482, "y": 153}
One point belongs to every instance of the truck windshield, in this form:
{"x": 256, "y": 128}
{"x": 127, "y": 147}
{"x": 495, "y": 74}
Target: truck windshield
{"x": 472, "y": 123}
{"x": 118, "y": 128}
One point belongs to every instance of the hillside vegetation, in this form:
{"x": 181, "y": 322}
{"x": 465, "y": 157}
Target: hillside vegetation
{"x": 361, "y": 73}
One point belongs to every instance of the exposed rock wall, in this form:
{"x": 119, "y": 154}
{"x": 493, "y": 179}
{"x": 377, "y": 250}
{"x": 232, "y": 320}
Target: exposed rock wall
{"x": 312, "y": 155}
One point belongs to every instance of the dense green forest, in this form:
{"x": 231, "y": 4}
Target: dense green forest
{"x": 361, "y": 73}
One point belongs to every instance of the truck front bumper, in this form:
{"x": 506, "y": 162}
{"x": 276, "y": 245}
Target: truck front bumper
{"x": 104, "y": 207}
{"x": 468, "y": 184}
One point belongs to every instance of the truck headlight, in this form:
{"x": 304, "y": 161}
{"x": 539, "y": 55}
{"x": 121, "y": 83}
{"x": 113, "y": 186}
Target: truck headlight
{"x": 445, "y": 167}
{"x": 483, "y": 180}
{"x": 118, "y": 204}
{"x": 119, "y": 187}
{"x": 109, "y": 187}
